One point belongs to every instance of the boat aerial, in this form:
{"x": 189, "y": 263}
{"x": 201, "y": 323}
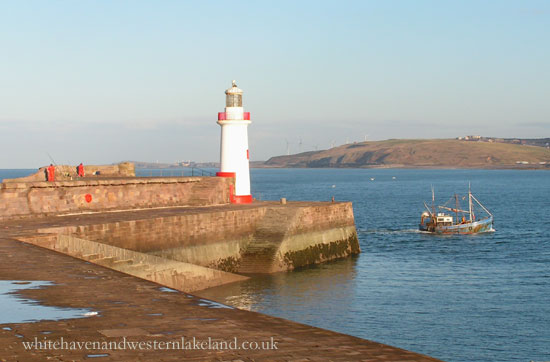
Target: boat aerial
{"x": 459, "y": 221}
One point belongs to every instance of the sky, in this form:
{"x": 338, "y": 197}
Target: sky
{"x": 106, "y": 81}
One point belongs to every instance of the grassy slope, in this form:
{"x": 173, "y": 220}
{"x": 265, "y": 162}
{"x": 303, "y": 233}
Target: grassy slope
{"x": 417, "y": 153}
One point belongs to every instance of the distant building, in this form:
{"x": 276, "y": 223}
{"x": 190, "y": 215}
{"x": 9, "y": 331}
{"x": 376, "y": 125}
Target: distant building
{"x": 470, "y": 138}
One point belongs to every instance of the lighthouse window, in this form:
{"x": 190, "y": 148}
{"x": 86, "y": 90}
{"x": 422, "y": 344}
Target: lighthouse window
{"x": 234, "y": 100}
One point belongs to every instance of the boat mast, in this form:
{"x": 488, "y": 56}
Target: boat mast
{"x": 470, "y": 200}
{"x": 433, "y": 200}
{"x": 456, "y": 208}
{"x": 434, "y": 217}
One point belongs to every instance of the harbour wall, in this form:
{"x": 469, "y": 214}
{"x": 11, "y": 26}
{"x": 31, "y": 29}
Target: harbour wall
{"x": 264, "y": 238}
{"x": 68, "y": 172}
{"x": 41, "y": 198}
{"x": 187, "y": 220}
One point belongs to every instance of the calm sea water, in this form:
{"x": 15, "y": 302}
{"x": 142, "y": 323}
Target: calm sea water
{"x": 457, "y": 298}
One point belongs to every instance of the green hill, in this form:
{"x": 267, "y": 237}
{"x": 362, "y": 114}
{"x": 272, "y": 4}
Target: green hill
{"x": 436, "y": 153}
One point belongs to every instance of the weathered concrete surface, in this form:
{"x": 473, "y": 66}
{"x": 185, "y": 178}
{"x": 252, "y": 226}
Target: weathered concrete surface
{"x": 299, "y": 234}
{"x": 263, "y": 237}
{"x": 173, "y": 274}
{"x": 136, "y": 308}
{"x": 32, "y": 199}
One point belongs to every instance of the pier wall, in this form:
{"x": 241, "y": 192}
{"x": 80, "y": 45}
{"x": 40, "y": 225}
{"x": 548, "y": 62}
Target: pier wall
{"x": 187, "y": 220}
{"x": 24, "y": 199}
{"x": 266, "y": 238}
{"x": 68, "y": 172}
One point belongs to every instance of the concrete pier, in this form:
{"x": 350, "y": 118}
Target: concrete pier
{"x": 184, "y": 219}
{"x": 111, "y": 243}
{"x": 210, "y": 243}
{"x": 263, "y": 237}
{"x": 140, "y": 311}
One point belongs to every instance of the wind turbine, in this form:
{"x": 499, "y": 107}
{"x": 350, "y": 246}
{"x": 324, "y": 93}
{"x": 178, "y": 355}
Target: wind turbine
{"x": 287, "y": 147}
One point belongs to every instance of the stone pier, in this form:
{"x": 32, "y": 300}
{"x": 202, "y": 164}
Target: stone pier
{"x": 139, "y": 311}
{"x": 112, "y": 244}
{"x": 183, "y": 219}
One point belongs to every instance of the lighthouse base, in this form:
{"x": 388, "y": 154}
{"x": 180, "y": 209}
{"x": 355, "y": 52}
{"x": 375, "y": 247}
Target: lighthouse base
{"x": 238, "y": 199}
{"x": 241, "y": 199}
{"x": 235, "y": 199}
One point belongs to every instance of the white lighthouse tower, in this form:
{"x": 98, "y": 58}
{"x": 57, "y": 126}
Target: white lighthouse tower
{"x": 234, "y": 155}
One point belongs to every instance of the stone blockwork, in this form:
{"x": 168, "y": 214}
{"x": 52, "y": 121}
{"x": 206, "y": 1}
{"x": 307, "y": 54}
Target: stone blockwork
{"x": 203, "y": 231}
{"x": 261, "y": 238}
{"x": 291, "y": 237}
{"x": 23, "y": 199}
{"x": 185, "y": 277}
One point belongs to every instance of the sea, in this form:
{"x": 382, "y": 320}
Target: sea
{"x": 457, "y": 298}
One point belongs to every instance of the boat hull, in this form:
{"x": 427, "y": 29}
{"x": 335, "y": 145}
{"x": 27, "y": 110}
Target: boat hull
{"x": 480, "y": 226}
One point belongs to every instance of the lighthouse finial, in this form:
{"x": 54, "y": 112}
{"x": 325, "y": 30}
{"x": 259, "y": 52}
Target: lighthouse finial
{"x": 234, "y": 83}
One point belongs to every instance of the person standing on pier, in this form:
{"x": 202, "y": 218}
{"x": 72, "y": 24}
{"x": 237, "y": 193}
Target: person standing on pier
{"x": 80, "y": 170}
{"x": 50, "y": 173}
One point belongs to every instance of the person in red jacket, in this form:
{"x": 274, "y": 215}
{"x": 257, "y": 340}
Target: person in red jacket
{"x": 80, "y": 170}
{"x": 51, "y": 173}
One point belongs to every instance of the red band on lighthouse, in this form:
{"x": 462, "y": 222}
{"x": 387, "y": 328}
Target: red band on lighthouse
{"x": 244, "y": 199}
{"x": 225, "y": 174}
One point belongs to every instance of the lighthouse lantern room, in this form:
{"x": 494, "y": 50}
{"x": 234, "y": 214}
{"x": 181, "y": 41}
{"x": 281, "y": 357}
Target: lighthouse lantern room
{"x": 234, "y": 154}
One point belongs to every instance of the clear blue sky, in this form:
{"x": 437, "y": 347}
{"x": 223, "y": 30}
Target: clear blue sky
{"x": 104, "y": 81}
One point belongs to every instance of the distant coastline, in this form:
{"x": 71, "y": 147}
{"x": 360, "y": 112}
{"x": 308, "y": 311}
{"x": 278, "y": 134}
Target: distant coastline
{"x": 408, "y": 167}
{"x": 469, "y": 152}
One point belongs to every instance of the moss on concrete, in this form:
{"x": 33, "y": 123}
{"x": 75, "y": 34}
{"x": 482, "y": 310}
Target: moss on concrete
{"x": 230, "y": 264}
{"x": 354, "y": 244}
{"x": 322, "y": 252}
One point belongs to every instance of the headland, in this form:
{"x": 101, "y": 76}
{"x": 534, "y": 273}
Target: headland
{"x": 484, "y": 153}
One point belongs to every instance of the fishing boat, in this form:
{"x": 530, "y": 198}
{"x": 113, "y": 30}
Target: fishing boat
{"x": 456, "y": 220}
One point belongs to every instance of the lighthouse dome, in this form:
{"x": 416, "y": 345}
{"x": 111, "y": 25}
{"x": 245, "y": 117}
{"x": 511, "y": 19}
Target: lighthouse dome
{"x": 234, "y": 89}
{"x": 234, "y": 96}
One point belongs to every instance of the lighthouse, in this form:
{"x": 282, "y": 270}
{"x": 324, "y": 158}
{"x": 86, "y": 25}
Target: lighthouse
{"x": 234, "y": 154}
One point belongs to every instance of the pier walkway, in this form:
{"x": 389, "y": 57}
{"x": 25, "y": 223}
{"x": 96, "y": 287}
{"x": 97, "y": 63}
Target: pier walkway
{"x": 142, "y": 311}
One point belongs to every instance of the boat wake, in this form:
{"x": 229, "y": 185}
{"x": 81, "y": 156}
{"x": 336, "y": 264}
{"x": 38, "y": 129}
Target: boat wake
{"x": 391, "y": 231}
{"x": 410, "y": 231}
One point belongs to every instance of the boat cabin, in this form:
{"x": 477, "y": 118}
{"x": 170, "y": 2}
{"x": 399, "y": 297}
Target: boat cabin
{"x": 444, "y": 220}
